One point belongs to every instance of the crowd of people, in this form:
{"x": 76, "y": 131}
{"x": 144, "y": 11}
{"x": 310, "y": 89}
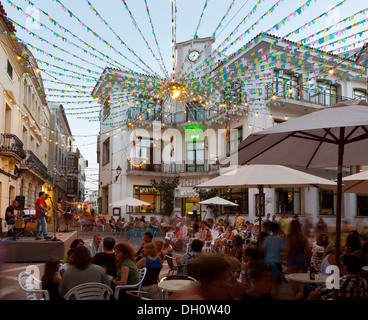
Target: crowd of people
{"x": 224, "y": 256}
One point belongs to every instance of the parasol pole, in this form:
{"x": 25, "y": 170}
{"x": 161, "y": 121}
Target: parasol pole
{"x": 339, "y": 200}
{"x": 260, "y": 209}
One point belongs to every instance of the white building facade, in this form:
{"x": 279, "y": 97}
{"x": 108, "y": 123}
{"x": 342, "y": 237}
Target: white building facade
{"x": 155, "y": 140}
{"x": 24, "y": 121}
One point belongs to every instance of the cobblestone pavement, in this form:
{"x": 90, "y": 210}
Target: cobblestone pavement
{"x": 10, "y": 290}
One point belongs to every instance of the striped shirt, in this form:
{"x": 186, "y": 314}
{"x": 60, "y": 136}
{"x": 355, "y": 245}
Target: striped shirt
{"x": 351, "y": 287}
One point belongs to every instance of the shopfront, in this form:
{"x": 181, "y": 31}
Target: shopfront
{"x": 238, "y": 196}
{"x": 188, "y": 203}
{"x": 150, "y": 195}
{"x": 287, "y": 200}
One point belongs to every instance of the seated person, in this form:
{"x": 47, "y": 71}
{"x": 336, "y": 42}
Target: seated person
{"x": 184, "y": 260}
{"x": 167, "y": 248}
{"x": 352, "y": 286}
{"x": 151, "y": 258}
{"x": 208, "y": 238}
{"x": 107, "y": 257}
{"x": 68, "y": 264}
{"x": 222, "y": 240}
{"x": 10, "y": 215}
{"x": 236, "y": 248}
{"x": 147, "y": 238}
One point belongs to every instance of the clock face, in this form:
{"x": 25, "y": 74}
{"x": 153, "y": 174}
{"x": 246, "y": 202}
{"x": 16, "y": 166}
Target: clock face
{"x": 193, "y": 56}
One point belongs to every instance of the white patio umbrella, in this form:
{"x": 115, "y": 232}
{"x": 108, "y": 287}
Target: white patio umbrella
{"x": 334, "y": 136}
{"x": 129, "y": 201}
{"x": 218, "y": 201}
{"x": 272, "y": 176}
{"x": 356, "y": 183}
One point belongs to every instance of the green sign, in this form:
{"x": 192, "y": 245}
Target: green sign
{"x": 194, "y": 136}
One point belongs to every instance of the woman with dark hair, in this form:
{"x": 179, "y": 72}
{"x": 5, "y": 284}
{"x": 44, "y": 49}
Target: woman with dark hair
{"x": 353, "y": 242}
{"x": 298, "y": 253}
{"x": 51, "y": 278}
{"x": 75, "y": 244}
{"x": 318, "y": 248}
{"x": 127, "y": 273}
{"x": 82, "y": 271}
{"x": 236, "y": 250}
{"x": 59, "y": 214}
{"x": 223, "y": 239}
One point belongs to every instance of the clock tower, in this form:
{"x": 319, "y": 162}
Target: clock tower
{"x": 192, "y": 53}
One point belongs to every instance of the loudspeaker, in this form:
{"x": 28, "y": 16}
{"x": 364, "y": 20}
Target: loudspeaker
{"x": 21, "y": 200}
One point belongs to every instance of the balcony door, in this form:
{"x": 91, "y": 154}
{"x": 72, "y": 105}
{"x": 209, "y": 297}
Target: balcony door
{"x": 195, "y": 156}
{"x": 8, "y": 111}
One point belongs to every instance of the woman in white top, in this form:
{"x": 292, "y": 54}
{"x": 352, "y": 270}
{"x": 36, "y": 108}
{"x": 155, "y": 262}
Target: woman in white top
{"x": 328, "y": 258}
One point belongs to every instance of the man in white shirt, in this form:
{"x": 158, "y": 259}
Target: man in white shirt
{"x": 95, "y": 246}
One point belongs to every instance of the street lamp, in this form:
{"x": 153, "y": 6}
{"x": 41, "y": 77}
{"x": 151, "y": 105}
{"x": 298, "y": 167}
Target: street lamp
{"x": 118, "y": 172}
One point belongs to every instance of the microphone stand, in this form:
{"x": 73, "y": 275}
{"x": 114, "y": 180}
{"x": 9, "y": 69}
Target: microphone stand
{"x": 54, "y": 213}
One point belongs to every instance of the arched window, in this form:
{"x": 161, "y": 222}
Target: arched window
{"x": 328, "y": 95}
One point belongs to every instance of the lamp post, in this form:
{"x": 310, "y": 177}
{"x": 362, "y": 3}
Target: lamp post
{"x": 118, "y": 172}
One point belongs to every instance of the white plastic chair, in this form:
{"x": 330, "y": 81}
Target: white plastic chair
{"x": 142, "y": 273}
{"x": 30, "y": 284}
{"x": 90, "y": 291}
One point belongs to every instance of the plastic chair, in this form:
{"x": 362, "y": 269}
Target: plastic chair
{"x": 28, "y": 284}
{"x": 151, "y": 277}
{"x": 172, "y": 267}
{"x": 90, "y": 291}
{"x": 137, "y": 295}
{"x": 142, "y": 273}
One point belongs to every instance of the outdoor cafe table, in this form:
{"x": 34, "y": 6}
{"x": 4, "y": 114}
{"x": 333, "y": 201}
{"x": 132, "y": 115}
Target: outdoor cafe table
{"x": 175, "y": 285}
{"x": 304, "y": 277}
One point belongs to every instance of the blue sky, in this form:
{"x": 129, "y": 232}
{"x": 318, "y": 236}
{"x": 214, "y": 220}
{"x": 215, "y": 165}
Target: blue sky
{"x": 188, "y": 16}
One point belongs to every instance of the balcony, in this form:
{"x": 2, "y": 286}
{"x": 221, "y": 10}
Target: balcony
{"x": 32, "y": 163}
{"x": 192, "y": 114}
{"x": 322, "y": 98}
{"x": 11, "y": 146}
{"x": 173, "y": 168}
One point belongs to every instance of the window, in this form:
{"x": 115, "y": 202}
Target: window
{"x": 195, "y": 112}
{"x": 236, "y": 137}
{"x": 285, "y": 84}
{"x": 287, "y": 200}
{"x": 327, "y": 202}
{"x": 106, "y": 109}
{"x": 238, "y": 196}
{"x": 150, "y": 195}
{"x": 106, "y": 152}
{"x": 195, "y": 156}
{"x": 25, "y": 92}
{"x": 360, "y": 95}
{"x": 362, "y": 205}
{"x": 144, "y": 150}
{"x": 328, "y": 96}
{"x": 9, "y": 70}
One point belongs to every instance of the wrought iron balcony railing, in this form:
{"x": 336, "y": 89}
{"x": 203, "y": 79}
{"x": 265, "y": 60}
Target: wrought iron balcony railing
{"x": 33, "y": 163}
{"x": 11, "y": 145}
